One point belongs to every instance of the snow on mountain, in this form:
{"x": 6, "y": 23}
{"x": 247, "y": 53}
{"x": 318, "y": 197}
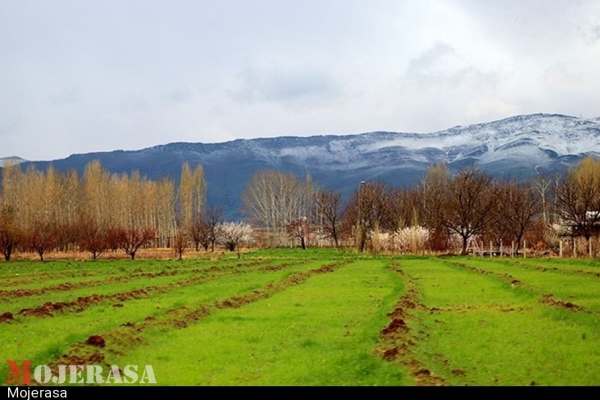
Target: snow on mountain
{"x": 518, "y": 147}
{"x": 542, "y": 136}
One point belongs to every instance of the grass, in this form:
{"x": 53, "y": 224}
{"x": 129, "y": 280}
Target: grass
{"x": 301, "y": 324}
{"x": 320, "y": 333}
{"x": 494, "y": 333}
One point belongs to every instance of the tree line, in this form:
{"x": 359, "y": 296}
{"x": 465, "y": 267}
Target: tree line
{"x": 42, "y": 211}
{"x": 443, "y": 213}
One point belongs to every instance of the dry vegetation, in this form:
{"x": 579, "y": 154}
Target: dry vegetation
{"x": 100, "y": 213}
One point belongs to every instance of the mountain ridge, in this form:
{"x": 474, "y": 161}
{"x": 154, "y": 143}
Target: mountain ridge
{"x": 516, "y": 147}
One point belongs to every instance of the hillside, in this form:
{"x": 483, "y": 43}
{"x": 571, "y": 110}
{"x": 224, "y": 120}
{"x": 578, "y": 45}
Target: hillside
{"x": 517, "y": 147}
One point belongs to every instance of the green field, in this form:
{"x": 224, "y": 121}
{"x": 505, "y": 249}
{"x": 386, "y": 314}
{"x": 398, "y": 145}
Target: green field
{"x": 315, "y": 317}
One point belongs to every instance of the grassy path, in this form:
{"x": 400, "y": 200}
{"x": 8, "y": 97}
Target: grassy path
{"x": 117, "y": 293}
{"x": 580, "y": 290}
{"x": 479, "y": 329}
{"x": 48, "y": 338}
{"x": 75, "y": 272}
{"x": 321, "y": 332}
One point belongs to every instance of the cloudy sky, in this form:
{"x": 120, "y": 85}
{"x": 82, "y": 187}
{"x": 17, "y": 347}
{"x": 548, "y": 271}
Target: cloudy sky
{"x": 80, "y": 76}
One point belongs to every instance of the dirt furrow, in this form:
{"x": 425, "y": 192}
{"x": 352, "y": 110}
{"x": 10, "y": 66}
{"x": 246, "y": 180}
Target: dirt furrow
{"x": 398, "y": 340}
{"x": 74, "y": 273}
{"x": 98, "y": 348}
{"x": 120, "y": 278}
{"x": 462, "y": 308}
{"x": 82, "y": 303}
{"x": 546, "y": 298}
{"x": 557, "y": 270}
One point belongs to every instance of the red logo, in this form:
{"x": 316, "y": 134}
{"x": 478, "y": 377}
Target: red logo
{"x": 19, "y": 375}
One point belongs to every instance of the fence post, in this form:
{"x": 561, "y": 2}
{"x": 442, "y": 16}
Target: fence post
{"x": 574, "y": 248}
{"x": 560, "y": 248}
{"x": 491, "y": 251}
{"x": 524, "y": 248}
{"x": 501, "y": 248}
{"x": 512, "y": 248}
{"x": 590, "y": 248}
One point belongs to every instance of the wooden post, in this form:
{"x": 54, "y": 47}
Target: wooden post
{"x": 591, "y": 252}
{"x": 574, "y": 248}
{"x": 512, "y": 248}
{"x": 501, "y": 248}
{"x": 524, "y": 248}
{"x": 491, "y": 251}
{"x": 560, "y": 248}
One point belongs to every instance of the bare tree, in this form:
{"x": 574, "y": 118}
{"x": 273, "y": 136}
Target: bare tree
{"x": 200, "y": 234}
{"x": 328, "y": 206}
{"x": 299, "y": 229}
{"x": 578, "y": 199}
{"x": 542, "y": 187}
{"x": 366, "y": 212}
{"x": 434, "y": 194}
{"x": 468, "y": 207}
{"x": 180, "y": 243}
{"x": 41, "y": 239}
{"x": 91, "y": 237}
{"x": 9, "y": 232}
{"x": 131, "y": 240}
{"x": 516, "y": 209}
{"x": 273, "y": 199}
{"x": 213, "y": 218}
{"x": 191, "y": 195}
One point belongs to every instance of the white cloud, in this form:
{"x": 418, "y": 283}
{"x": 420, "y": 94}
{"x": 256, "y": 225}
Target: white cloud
{"x": 284, "y": 85}
{"x": 97, "y": 76}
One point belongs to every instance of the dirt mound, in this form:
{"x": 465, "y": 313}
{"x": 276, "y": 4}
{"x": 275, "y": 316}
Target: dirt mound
{"x": 96, "y": 340}
{"x": 423, "y": 373}
{"x": 553, "y": 301}
{"x": 75, "y": 359}
{"x": 397, "y": 324}
{"x": 45, "y": 309}
{"x": 6, "y": 317}
{"x": 390, "y": 354}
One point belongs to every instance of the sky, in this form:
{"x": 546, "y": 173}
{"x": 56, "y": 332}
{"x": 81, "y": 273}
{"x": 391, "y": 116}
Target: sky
{"x": 83, "y": 76}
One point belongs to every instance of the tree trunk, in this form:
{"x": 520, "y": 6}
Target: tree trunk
{"x": 519, "y": 240}
{"x": 363, "y": 241}
{"x": 465, "y": 241}
{"x": 302, "y": 243}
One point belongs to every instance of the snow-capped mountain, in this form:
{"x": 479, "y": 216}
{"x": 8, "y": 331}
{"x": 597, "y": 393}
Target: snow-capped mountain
{"x": 515, "y": 148}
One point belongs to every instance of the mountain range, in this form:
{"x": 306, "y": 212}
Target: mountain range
{"x": 518, "y": 147}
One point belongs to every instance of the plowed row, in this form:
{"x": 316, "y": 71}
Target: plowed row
{"x": 317, "y": 317}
